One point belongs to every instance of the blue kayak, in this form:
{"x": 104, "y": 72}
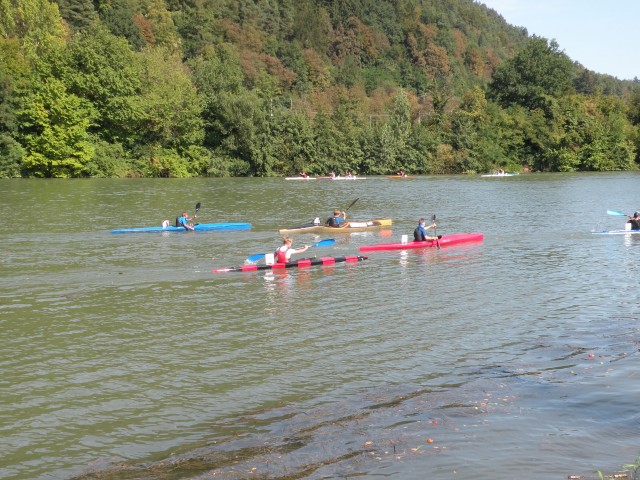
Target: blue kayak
{"x": 617, "y": 232}
{"x": 200, "y": 227}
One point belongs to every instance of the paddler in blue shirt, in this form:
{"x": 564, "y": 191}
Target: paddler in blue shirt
{"x": 184, "y": 221}
{"x": 420, "y": 233}
{"x": 338, "y": 220}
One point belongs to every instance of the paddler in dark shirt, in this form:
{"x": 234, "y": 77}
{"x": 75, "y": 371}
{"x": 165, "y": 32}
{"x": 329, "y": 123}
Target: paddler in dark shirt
{"x": 420, "y": 233}
{"x": 338, "y": 220}
{"x": 634, "y": 221}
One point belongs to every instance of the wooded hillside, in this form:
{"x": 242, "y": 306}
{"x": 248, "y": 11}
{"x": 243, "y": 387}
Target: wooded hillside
{"x": 275, "y": 87}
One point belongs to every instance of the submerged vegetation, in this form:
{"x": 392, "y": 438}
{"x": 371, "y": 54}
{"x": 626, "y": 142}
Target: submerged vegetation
{"x": 114, "y": 88}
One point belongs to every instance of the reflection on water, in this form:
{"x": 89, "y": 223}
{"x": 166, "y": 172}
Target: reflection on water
{"x": 517, "y": 354}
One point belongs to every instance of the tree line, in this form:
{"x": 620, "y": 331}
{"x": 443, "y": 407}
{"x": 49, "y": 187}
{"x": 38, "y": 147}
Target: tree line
{"x": 177, "y": 88}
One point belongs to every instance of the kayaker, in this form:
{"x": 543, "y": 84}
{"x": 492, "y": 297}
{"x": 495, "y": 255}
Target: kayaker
{"x": 420, "y": 233}
{"x": 184, "y": 221}
{"x": 338, "y": 220}
{"x": 304, "y": 174}
{"x": 634, "y": 221}
{"x": 283, "y": 253}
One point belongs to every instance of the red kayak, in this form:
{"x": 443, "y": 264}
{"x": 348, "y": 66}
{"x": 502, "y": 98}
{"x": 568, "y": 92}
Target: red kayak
{"x": 305, "y": 262}
{"x": 445, "y": 241}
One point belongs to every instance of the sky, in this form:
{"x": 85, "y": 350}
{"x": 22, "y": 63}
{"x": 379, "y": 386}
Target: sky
{"x": 602, "y": 35}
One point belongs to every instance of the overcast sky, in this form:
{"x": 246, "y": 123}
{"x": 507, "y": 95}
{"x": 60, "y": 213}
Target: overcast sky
{"x": 604, "y": 36}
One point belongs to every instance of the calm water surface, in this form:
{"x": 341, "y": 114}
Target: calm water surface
{"x": 124, "y": 357}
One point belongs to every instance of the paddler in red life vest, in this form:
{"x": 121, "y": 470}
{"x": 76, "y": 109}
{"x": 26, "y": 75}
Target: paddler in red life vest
{"x": 283, "y": 253}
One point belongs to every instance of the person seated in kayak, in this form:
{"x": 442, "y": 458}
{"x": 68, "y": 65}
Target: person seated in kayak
{"x": 283, "y": 253}
{"x": 339, "y": 220}
{"x": 420, "y": 233}
{"x": 304, "y": 175}
{"x": 634, "y": 221}
{"x": 184, "y": 221}
{"x": 400, "y": 173}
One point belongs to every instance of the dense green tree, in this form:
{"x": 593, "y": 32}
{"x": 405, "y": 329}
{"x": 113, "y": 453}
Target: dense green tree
{"x": 119, "y": 17}
{"x": 54, "y": 126}
{"x": 536, "y": 76}
{"x": 104, "y": 69}
{"x": 36, "y": 23}
{"x": 15, "y": 76}
{"x": 172, "y": 107}
{"x": 78, "y": 14}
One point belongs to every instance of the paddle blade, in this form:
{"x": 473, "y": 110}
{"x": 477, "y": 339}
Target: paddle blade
{"x": 325, "y": 243}
{"x": 613, "y": 212}
{"x": 197, "y": 206}
{"x": 256, "y": 257}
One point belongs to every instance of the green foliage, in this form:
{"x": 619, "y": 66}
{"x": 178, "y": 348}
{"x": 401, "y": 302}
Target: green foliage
{"x": 55, "y": 126}
{"x": 172, "y": 107}
{"x": 119, "y": 16}
{"x": 534, "y": 77}
{"x": 78, "y": 14}
{"x": 272, "y": 87}
{"x": 36, "y": 23}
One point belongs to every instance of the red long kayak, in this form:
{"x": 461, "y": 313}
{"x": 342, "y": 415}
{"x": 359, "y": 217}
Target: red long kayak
{"x": 445, "y": 241}
{"x": 304, "y": 262}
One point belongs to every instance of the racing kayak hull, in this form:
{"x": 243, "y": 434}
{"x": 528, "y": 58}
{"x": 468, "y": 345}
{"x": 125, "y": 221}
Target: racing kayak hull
{"x": 302, "y": 263}
{"x": 499, "y": 175}
{"x": 617, "y": 232}
{"x": 376, "y": 224}
{"x": 445, "y": 241}
{"x": 352, "y": 177}
{"x": 201, "y": 227}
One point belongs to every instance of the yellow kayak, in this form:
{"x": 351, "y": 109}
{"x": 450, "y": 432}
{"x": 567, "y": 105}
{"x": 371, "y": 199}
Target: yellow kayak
{"x": 317, "y": 227}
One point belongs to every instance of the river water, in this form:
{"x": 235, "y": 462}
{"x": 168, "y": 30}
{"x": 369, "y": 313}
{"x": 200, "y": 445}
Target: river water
{"x": 123, "y": 356}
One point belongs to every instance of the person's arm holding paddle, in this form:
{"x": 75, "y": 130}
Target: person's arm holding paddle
{"x": 284, "y": 252}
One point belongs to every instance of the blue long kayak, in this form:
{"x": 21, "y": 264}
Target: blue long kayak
{"x": 201, "y": 227}
{"x": 617, "y": 232}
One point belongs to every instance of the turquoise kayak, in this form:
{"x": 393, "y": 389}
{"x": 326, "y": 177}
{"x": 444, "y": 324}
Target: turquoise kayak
{"x": 200, "y": 227}
{"x": 617, "y": 232}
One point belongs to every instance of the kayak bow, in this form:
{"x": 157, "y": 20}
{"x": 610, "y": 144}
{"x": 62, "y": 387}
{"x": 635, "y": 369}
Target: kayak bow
{"x": 444, "y": 241}
{"x": 304, "y": 262}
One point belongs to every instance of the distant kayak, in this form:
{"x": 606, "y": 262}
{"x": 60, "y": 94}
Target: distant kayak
{"x": 299, "y": 178}
{"x": 617, "y": 232}
{"x": 401, "y": 176}
{"x": 305, "y": 262}
{"x": 444, "y": 241}
{"x": 500, "y": 175}
{"x": 353, "y": 227}
{"x": 201, "y": 227}
{"x": 352, "y": 177}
